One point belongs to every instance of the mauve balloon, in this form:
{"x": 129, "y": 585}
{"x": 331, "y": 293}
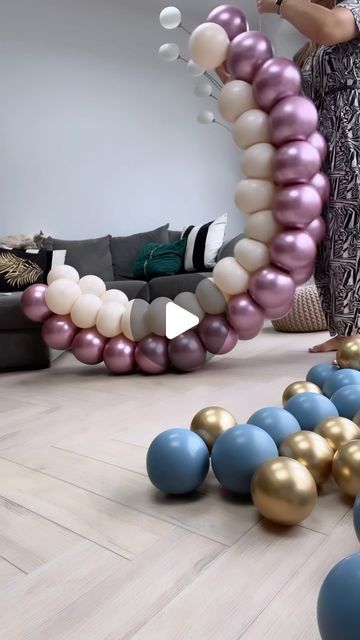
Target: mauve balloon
{"x": 294, "y": 118}
{"x": 278, "y": 78}
{"x": 119, "y": 355}
{"x": 246, "y": 53}
{"x": 295, "y": 162}
{"x": 216, "y": 334}
{"x": 33, "y": 303}
{"x": 297, "y": 205}
{"x": 245, "y": 316}
{"x": 321, "y": 183}
{"x": 279, "y": 312}
{"x": 292, "y": 249}
{"x": 317, "y": 229}
{"x": 151, "y": 354}
{"x": 318, "y": 141}
{"x": 300, "y": 276}
{"x": 272, "y": 288}
{"x": 186, "y": 352}
{"x": 88, "y": 346}
{"x": 58, "y": 332}
{"x": 230, "y": 18}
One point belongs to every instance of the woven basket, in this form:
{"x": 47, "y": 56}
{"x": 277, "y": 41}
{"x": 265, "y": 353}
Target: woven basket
{"x": 306, "y": 314}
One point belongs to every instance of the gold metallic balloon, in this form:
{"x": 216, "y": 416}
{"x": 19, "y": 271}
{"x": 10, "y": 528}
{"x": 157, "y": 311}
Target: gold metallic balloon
{"x": 338, "y": 431}
{"x": 346, "y": 468}
{"x": 312, "y": 451}
{"x": 301, "y": 386}
{"x": 284, "y": 491}
{"x": 356, "y": 418}
{"x": 348, "y": 356}
{"x": 211, "y": 422}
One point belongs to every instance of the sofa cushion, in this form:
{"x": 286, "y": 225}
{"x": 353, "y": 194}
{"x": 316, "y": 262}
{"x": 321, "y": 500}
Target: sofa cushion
{"x": 23, "y": 350}
{"x": 203, "y": 244}
{"x": 171, "y": 286}
{"x": 11, "y": 315}
{"x": 125, "y": 249}
{"x": 88, "y": 257}
{"x": 132, "y": 288}
{"x": 19, "y": 269}
{"x": 157, "y": 259}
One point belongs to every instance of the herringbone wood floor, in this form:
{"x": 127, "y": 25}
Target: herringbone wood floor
{"x": 89, "y": 551}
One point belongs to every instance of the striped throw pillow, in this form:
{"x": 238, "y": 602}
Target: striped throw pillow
{"x": 203, "y": 244}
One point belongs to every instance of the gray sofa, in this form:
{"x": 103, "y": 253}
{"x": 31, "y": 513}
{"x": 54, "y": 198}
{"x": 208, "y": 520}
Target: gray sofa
{"x": 112, "y": 260}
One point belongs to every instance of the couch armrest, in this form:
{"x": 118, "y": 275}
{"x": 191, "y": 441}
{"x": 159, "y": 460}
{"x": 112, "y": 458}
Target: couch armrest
{"x": 227, "y": 249}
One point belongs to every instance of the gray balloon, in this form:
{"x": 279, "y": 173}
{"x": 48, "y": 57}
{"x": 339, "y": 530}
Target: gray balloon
{"x": 210, "y": 298}
{"x": 156, "y": 316}
{"x": 189, "y": 302}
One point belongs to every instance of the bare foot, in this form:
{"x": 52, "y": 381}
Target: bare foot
{"x": 333, "y": 344}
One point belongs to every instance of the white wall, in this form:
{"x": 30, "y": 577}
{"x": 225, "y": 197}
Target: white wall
{"x": 98, "y": 134}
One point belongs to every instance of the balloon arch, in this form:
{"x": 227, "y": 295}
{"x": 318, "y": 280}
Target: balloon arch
{"x": 282, "y": 196}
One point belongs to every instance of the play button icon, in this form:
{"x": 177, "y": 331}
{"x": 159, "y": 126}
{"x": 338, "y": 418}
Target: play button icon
{"x": 178, "y": 320}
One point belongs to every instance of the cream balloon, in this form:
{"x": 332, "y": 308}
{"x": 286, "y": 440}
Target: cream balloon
{"x": 92, "y": 284}
{"x": 257, "y": 161}
{"x": 108, "y": 321}
{"x": 251, "y": 254}
{"x": 115, "y": 295}
{"x": 230, "y": 276}
{"x": 252, "y": 127}
{"x": 63, "y": 271}
{"x": 134, "y": 322}
{"x": 85, "y": 310}
{"x": 262, "y": 226}
{"x": 236, "y": 97}
{"x": 61, "y": 295}
{"x": 254, "y": 195}
{"x": 170, "y": 18}
{"x": 188, "y": 301}
{"x": 208, "y": 45}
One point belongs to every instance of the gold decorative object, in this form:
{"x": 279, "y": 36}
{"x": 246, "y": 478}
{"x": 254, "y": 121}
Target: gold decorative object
{"x": 338, "y": 431}
{"x": 18, "y": 271}
{"x": 283, "y": 491}
{"x": 301, "y": 386}
{"x": 348, "y": 356}
{"x": 311, "y": 450}
{"x": 210, "y": 422}
{"x": 346, "y": 468}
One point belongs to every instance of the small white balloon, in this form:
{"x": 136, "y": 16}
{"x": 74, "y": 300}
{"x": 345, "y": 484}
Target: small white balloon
{"x": 170, "y": 18}
{"x": 63, "y": 271}
{"x": 194, "y": 69}
{"x": 254, "y": 195}
{"x": 169, "y": 52}
{"x": 61, "y": 295}
{"x": 252, "y": 127}
{"x": 85, "y": 310}
{"x": 92, "y": 284}
{"x": 206, "y": 117}
{"x": 236, "y": 97}
{"x": 108, "y": 320}
{"x": 231, "y": 277}
{"x": 257, "y": 161}
{"x": 203, "y": 89}
{"x": 251, "y": 255}
{"x": 115, "y": 295}
{"x": 208, "y": 45}
{"x": 262, "y": 226}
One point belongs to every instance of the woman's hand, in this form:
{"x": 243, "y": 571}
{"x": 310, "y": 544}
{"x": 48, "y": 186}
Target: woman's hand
{"x": 267, "y": 6}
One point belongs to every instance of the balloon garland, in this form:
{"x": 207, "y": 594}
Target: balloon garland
{"x": 282, "y": 196}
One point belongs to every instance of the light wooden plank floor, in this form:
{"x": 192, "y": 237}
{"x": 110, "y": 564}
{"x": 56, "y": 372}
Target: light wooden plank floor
{"x": 89, "y": 550}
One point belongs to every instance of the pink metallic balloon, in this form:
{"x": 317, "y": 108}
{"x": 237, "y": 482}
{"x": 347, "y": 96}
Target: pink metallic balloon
{"x": 293, "y": 118}
{"x": 186, "y": 352}
{"x": 230, "y": 18}
{"x": 317, "y": 229}
{"x": 297, "y": 205}
{"x": 33, "y": 303}
{"x": 279, "y": 312}
{"x": 300, "y": 276}
{"x": 151, "y": 354}
{"x": 119, "y": 355}
{"x": 88, "y": 346}
{"x": 292, "y": 249}
{"x": 295, "y": 162}
{"x": 58, "y": 332}
{"x": 272, "y": 288}
{"x": 245, "y": 316}
{"x": 321, "y": 183}
{"x": 216, "y": 334}
{"x": 278, "y": 78}
{"x": 247, "y": 52}
{"x": 318, "y": 141}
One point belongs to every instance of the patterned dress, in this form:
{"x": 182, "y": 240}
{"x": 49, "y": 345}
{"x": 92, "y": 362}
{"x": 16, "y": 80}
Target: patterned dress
{"x": 331, "y": 78}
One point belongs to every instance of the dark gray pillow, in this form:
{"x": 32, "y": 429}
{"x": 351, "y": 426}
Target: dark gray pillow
{"x": 125, "y": 249}
{"x": 88, "y": 257}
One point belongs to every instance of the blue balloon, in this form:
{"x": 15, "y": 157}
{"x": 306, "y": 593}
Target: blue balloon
{"x": 277, "y": 422}
{"x": 320, "y": 373}
{"x": 356, "y": 516}
{"x": 338, "y": 609}
{"x": 310, "y": 408}
{"x": 177, "y": 461}
{"x": 237, "y": 453}
{"x": 341, "y": 378}
{"x": 347, "y": 400}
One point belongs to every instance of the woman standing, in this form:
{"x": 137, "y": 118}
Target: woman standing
{"x": 330, "y": 65}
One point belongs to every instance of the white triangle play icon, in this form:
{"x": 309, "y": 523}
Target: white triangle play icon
{"x": 178, "y": 320}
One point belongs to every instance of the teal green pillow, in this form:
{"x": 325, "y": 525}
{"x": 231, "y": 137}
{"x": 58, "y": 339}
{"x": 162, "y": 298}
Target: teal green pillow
{"x": 157, "y": 259}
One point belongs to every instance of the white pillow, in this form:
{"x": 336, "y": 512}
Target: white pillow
{"x": 203, "y": 244}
